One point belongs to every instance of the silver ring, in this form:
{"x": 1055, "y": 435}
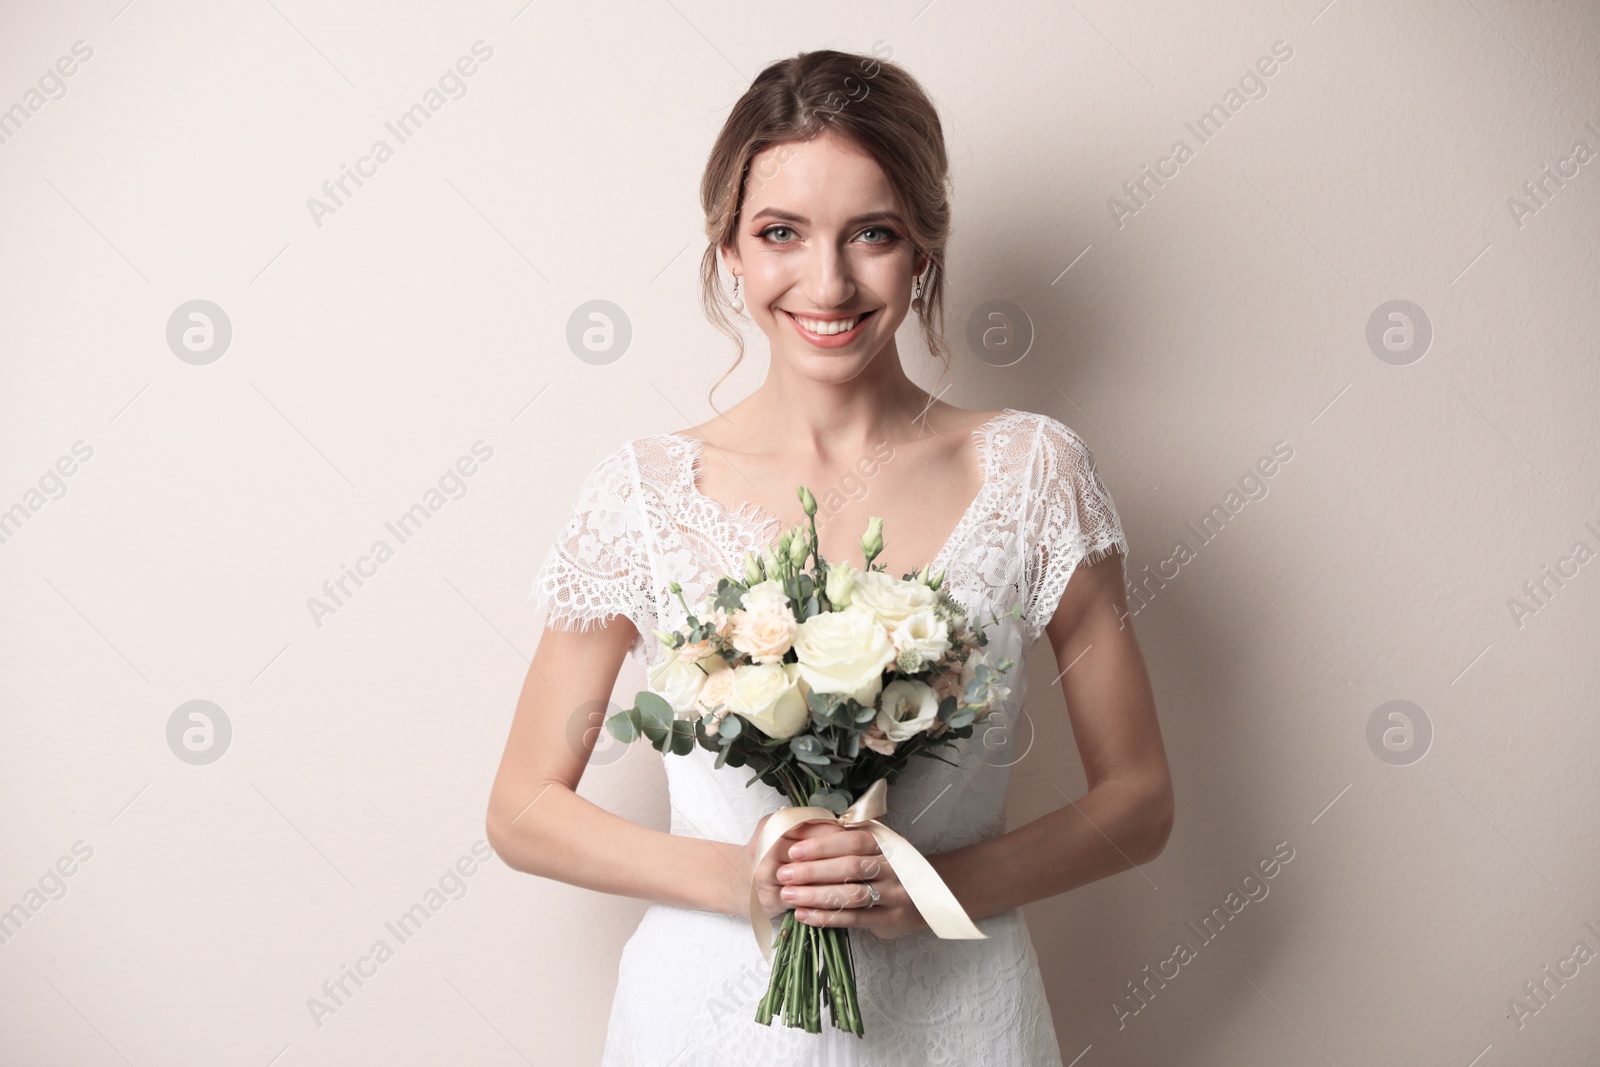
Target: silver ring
{"x": 875, "y": 895}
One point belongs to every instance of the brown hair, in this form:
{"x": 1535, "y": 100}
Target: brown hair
{"x": 879, "y": 107}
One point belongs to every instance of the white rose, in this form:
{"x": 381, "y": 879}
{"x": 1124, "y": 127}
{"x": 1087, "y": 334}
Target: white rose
{"x": 765, "y": 595}
{"x": 678, "y": 680}
{"x": 892, "y": 600}
{"x": 925, "y": 632}
{"x": 909, "y": 707}
{"x": 844, "y": 652}
{"x": 770, "y": 696}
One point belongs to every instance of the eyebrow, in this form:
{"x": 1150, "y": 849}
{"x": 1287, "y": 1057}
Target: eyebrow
{"x": 789, "y": 216}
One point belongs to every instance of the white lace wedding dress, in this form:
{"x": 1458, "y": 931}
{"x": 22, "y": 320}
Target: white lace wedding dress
{"x": 689, "y": 980}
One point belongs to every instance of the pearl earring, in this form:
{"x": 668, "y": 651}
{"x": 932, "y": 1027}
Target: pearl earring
{"x": 738, "y": 305}
{"x": 916, "y": 296}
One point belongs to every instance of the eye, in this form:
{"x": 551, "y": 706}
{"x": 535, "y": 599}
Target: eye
{"x": 889, "y": 236}
{"x": 766, "y": 234}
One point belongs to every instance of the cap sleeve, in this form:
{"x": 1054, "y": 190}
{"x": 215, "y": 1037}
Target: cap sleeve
{"x": 598, "y": 566}
{"x": 1072, "y": 520}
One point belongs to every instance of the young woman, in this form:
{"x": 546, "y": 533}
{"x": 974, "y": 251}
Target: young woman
{"x": 826, "y": 198}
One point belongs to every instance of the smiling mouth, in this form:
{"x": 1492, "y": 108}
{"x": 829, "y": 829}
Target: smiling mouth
{"x": 826, "y": 328}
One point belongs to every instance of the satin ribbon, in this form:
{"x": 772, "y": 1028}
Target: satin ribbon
{"x": 927, "y": 890}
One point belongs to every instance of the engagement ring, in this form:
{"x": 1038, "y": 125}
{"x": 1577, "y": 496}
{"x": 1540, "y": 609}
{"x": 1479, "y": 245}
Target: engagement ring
{"x": 874, "y": 891}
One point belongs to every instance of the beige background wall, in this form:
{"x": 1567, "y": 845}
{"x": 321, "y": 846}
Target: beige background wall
{"x": 374, "y": 345}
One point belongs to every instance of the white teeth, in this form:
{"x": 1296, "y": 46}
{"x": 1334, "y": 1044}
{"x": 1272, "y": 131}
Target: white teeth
{"x": 827, "y": 328}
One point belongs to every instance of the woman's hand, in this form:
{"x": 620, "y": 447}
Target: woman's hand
{"x": 825, "y": 880}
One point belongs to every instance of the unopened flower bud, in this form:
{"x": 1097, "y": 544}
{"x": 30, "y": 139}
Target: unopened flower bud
{"x": 840, "y": 582}
{"x": 872, "y": 540}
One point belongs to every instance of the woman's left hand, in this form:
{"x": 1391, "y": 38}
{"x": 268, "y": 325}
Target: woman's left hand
{"x": 825, "y": 882}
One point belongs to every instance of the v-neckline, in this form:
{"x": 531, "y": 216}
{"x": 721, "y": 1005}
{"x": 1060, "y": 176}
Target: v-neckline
{"x": 769, "y": 526}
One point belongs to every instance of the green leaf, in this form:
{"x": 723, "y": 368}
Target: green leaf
{"x": 852, "y": 745}
{"x": 732, "y": 726}
{"x": 807, "y": 749}
{"x": 624, "y": 725}
{"x": 947, "y": 708}
{"x": 834, "y": 802}
{"x": 655, "y": 716}
{"x": 682, "y": 737}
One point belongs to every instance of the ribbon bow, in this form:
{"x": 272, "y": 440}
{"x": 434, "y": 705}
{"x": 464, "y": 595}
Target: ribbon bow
{"x": 927, "y": 890}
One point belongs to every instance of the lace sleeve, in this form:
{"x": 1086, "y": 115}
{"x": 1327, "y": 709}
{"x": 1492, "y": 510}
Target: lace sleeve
{"x": 1071, "y": 520}
{"x": 598, "y": 566}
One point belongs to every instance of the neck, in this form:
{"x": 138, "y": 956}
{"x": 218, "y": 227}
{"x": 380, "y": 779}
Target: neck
{"x": 880, "y": 403}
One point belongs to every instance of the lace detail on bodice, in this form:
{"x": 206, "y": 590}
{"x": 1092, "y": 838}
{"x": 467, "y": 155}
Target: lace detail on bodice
{"x": 639, "y": 522}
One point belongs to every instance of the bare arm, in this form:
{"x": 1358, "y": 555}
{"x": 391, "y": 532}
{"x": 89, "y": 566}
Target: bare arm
{"x": 538, "y": 824}
{"x": 1125, "y": 816}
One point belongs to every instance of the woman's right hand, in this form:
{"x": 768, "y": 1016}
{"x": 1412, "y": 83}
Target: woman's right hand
{"x": 765, "y": 873}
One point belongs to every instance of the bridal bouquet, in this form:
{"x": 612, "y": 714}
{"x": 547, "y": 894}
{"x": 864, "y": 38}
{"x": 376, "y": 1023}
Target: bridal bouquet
{"x": 825, "y": 681}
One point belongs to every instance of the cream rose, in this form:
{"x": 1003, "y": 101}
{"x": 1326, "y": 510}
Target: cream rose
{"x": 764, "y": 634}
{"x": 891, "y": 600}
{"x": 908, "y": 708}
{"x": 844, "y": 652}
{"x": 771, "y": 697}
{"x": 717, "y": 685}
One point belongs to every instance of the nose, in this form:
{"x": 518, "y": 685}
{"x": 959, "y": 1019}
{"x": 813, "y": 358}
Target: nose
{"x": 828, "y": 279}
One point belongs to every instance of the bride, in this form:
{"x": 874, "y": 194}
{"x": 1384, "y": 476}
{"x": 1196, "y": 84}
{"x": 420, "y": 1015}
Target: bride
{"x": 826, "y": 199}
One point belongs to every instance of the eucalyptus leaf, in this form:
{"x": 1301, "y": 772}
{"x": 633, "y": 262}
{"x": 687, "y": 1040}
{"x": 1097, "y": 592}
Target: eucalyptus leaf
{"x": 624, "y": 725}
{"x": 682, "y": 737}
{"x": 808, "y": 750}
{"x": 655, "y": 716}
{"x": 834, "y": 802}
